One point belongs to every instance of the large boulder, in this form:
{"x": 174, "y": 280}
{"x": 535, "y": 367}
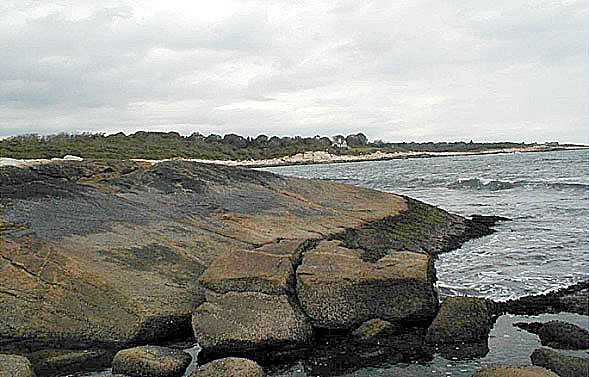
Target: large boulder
{"x": 462, "y": 319}
{"x": 151, "y": 361}
{"x": 337, "y": 289}
{"x": 15, "y": 366}
{"x": 558, "y": 334}
{"x": 563, "y": 365}
{"x": 514, "y": 371}
{"x": 238, "y": 322}
{"x": 229, "y": 367}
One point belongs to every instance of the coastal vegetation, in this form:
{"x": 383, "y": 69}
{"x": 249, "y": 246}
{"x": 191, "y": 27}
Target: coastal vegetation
{"x": 161, "y": 145}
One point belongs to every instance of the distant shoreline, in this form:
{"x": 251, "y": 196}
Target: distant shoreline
{"x": 313, "y": 158}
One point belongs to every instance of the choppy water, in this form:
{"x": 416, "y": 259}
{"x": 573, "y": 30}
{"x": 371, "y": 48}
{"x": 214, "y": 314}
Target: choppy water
{"x": 546, "y": 195}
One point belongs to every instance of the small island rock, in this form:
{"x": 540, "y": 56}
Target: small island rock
{"x": 145, "y": 361}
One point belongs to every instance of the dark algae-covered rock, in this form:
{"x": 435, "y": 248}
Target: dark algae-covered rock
{"x": 229, "y": 367}
{"x": 151, "y": 361}
{"x": 561, "y": 364}
{"x": 461, "y": 328}
{"x": 572, "y": 299}
{"x": 462, "y": 319}
{"x": 558, "y": 334}
{"x": 15, "y": 366}
{"x": 60, "y": 361}
{"x": 514, "y": 371}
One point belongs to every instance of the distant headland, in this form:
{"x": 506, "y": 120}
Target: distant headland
{"x": 232, "y": 149}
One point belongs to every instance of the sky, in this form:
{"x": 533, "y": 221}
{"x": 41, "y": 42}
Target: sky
{"x": 418, "y": 70}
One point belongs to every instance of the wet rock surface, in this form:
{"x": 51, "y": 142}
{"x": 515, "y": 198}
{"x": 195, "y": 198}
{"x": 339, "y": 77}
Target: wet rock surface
{"x": 514, "y": 371}
{"x": 462, "y": 319}
{"x": 558, "y": 334}
{"x": 151, "y": 361}
{"x": 229, "y": 367}
{"x": 561, "y": 364}
{"x": 572, "y": 299}
{"x": 59, "y": 361}
{"x": 15, "y": 366}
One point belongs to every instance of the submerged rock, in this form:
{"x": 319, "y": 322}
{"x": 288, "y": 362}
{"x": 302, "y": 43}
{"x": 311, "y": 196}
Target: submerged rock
{"x": 146, "y": 361}
{"x": 338, "y": 290}
{"x": 563, "y": 365}
{"x": 558, "y": 334}
{"x": 229, "y": 367}
{"x": 514, "y": 371}
{"x": 15, "y": 366}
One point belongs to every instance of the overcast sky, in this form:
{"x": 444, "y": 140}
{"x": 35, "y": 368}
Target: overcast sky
{"x": 415, "y": 70}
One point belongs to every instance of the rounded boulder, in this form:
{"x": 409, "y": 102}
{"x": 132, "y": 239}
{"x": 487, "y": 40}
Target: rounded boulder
{"x": 151, "y": 361}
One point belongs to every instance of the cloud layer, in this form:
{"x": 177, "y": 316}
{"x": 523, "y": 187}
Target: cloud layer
{"x": 406, "y": 70}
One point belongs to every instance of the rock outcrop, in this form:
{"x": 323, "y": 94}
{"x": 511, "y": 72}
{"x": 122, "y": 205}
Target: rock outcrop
{"x": 111, "y": 254}
{"x": 229, "y": 367}
{"x": 151, "y": 361}
{"x": 561, "y": 364}
{"x": 558, "y": 334}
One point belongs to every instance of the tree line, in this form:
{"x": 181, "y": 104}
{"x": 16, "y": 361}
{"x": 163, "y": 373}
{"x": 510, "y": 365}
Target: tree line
{"x": 160, "y": 145}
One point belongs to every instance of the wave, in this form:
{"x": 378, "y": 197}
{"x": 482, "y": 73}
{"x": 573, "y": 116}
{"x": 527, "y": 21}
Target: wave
{"x": 496, "y": 185}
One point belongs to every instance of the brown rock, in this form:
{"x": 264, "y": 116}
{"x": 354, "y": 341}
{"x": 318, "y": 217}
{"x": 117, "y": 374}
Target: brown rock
{"x": 267, "y": 269}
{"x": 229, "y": 367}
{"x": 15, "y": 366}
{"x": 148, "y": 361}
{"x": 239, "y": 321}
{"x": 339, "y": 290}
{"x": 514, "y": 371}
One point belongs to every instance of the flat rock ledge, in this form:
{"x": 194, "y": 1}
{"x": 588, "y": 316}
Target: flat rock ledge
{"x": 15, "y": 366}
{"x": 229, "y": 367}
{"x": 561, "y": 364}
{"x": 514, "y": 371}
{"x": 151, "y": 361}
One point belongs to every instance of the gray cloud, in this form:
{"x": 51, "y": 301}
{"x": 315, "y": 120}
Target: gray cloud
{"x": 406, "y": 70}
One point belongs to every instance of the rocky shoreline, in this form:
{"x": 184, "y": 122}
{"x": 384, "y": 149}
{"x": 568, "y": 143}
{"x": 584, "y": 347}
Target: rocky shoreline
{"x": 99, "y": 256}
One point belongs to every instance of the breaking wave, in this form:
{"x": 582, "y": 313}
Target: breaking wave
{"x": 496, "y": 185}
